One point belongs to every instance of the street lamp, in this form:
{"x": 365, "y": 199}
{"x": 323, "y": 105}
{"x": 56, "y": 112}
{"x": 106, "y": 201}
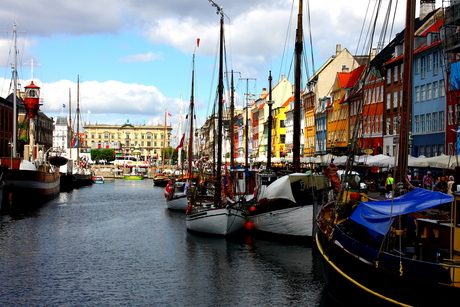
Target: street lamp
{"x": 270, "y": 119}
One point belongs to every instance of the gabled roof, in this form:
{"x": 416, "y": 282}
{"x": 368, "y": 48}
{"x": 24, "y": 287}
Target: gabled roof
{"x": 355, "y": 75}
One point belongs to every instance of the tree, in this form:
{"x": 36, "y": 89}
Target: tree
{"x": 102, "y": 154}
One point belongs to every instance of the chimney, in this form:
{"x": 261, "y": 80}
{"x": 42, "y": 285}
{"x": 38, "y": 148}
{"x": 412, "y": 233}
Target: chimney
{"x": 426, "y": 7}
{"x": 264, "y": 92}
{"x": 338, "y": 49}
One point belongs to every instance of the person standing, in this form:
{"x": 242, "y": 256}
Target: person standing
{"x": 451, "y": 187}
{"x": 389, "y": 182}
{"x": 441, "y": 186}
{"x": 428, "y": 181}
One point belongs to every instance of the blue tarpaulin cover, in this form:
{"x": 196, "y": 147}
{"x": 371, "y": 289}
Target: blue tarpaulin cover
{"x": 379, "y": 215}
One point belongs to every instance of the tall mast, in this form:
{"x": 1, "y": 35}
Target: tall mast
{"x": 69, "y": 143}
{"x": 298, "y": 55}
{"x": 219, "y": 102}
{"x": 15, "y": 89}
{"x": 192, "y": 106}
{"x": 78, "y": 120}
{"x": 232, "y": 123}
{"x": 179, "y": 154}
{"x": 164, "y": 143}
{"x": 406, "y": 107}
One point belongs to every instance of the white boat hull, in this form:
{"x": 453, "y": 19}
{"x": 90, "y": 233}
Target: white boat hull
{"x": 218, "y": 221}
{"x": 178, "y": 203}
{"x": 294, "y": 221}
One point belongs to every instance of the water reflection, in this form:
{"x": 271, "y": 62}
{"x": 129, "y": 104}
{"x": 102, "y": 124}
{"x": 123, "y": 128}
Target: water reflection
{"x": 117, "y": 244}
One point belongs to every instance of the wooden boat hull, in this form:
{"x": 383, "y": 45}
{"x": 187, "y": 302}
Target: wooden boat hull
{"x": 163, "y": 182}
{"x": 217, "y": 221}
{"x": 291, "y": 221}
{"x": 346, "y": 273}
{"x": 82, "y": 179}
{"x": 28, "y": 189}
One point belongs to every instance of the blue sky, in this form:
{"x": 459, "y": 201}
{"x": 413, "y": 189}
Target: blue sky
{"x": 134, "y": 57}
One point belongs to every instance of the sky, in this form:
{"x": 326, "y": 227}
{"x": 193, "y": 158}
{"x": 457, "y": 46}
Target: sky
{"x": 134, "y": 58}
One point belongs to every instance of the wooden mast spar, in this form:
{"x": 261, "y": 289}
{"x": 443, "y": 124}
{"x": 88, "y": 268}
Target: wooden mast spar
{"x": 298, "y": 55}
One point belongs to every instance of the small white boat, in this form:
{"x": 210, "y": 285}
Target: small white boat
{"x": 176, "y": 195}
{"x": 285, "y": 207}
{"x": 205, "y": 218}
{"x": 98, "y": 179}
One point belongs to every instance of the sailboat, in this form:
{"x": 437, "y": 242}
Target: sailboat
{"x": 403, "y": 251}
{"x": 82, "y": 171}
{"x": 286, "y": 206}
{"x": 176, "y": 192}
{"x": 208, "y": 213}
{"x": 29, "y": 181}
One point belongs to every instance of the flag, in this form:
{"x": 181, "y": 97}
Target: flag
{"x": 198, "y": 42}
{"x": 169, "y": 114}
{"x": 181, "y": 143}
{"x": 63, "y": 105}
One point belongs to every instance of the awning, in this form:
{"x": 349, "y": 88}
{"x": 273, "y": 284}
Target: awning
{"x": 379, "y": 215}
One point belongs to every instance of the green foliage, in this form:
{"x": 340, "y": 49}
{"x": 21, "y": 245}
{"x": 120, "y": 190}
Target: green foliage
{"x": 103, "y": 154}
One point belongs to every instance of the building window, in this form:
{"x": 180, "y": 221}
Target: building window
{"x": 395, "y": 125}
{"x": 282, "y": 138}
{"x": 441, "y": 121}
{"x": 435, "y": 63}
{"x": 428, "y": 122}
{"x": 442, "y": 88}
{"x": 423, "y": 67}
{"x": 395, "y": 73}
{"x": 282, "y": 124}
{"x": 417, "y": 66}
{"x": 429, "y": 63}
{"x": 422, "y": 93}
{"x": 450, "y": 116}
{"x": 417, "y": 124}
{"x": 106, "y": 135}
{"x": 435, "y": 122}
{"x": 417, "y": 94}
{"x": 388, "y": 126}
{"x": 388, "y": 101}
{"x": 400, "y": 98}
{"x": 422, "y": 123}
{"x": 428, "y": 91}
{"x": 435, "y": 90}
{"x": 389, "y": 76}
{"x": 149, "y": 143}
{"x": 395, "y": 99}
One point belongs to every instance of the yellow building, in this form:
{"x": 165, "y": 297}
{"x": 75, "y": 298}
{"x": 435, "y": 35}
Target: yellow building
{"x": 279, "y": 130}
{"x": 149, "y": 140}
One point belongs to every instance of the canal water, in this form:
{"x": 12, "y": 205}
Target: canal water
{"x": 116, "y": 244}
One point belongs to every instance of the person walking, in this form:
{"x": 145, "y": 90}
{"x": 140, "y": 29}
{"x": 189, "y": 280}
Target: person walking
{"x": 389, "y": 182}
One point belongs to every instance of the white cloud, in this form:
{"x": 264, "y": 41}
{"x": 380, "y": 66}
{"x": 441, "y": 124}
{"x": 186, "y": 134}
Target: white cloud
{"x": 147, "y": 57}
